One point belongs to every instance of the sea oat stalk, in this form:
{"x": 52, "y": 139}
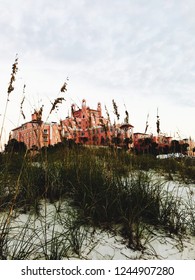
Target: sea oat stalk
{"x": 115, "y": 109}
{"x": 9, "y": 90}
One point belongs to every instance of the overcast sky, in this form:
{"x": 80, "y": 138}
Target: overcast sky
{"x": 141, "y": 53}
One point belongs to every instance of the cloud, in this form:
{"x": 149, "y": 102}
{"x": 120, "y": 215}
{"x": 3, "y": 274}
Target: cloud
{"x": 141, "y": 50}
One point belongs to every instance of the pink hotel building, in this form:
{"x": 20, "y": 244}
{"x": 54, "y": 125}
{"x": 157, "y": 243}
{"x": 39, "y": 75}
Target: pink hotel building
{"x": 36, "y": 133}
{"x": 85, "y": 125}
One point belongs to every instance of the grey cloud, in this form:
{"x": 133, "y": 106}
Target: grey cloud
{"x": 145, "y": 45}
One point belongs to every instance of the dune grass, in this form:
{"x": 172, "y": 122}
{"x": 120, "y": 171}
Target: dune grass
{"x": 108, "y": 190}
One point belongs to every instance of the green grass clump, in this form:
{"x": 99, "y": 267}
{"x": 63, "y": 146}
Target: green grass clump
{"x": 110, "y": 189}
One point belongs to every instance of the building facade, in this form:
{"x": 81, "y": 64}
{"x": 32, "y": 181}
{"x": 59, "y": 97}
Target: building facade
{"x": 84, "y": 126}
{"x": 88, "y": 126}
{"x": 36, "y": 133}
